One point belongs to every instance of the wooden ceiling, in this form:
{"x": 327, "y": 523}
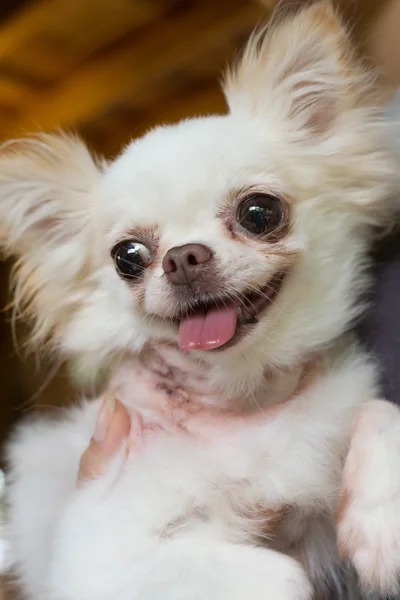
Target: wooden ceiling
{"x": 112, "y": 68}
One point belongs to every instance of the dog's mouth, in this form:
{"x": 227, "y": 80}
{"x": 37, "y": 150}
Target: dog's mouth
{"x": 222, "y": 321}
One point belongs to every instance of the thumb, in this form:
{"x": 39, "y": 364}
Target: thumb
{"x": 112, "y": 428}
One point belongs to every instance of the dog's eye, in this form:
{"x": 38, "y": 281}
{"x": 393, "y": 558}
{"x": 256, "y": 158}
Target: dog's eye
{"x": 130, "y": 259}
{"x": 260, "y": 214}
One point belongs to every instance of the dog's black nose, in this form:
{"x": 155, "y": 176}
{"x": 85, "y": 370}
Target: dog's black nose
{"x": 184, "y": 264}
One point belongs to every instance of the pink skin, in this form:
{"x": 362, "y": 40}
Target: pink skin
{"x": 163, "y": 389}
{"x": 171, "y": 394}
{"x": 117, "y": 425}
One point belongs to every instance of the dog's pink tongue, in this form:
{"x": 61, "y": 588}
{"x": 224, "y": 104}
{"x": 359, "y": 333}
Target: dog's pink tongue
{"x": 203, "y": 331}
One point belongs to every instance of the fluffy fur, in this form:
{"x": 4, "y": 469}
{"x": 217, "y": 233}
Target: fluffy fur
{"x": 236, "y": 457}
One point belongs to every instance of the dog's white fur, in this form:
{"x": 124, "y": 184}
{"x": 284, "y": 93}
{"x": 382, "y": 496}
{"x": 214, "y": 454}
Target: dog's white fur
{"x": 262, "y": 456}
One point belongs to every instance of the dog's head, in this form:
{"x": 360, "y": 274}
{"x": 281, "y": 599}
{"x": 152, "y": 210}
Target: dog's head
{"x": 241, "y": 236}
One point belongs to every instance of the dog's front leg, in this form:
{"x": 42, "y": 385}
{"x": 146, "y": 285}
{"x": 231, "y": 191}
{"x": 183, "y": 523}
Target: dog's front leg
{"x": 369, "y": 511}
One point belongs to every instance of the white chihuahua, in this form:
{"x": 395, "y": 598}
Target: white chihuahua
{"x": 225, "y": 258}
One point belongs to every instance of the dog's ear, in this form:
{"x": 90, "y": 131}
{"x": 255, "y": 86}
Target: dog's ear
{"x": 300, "y": 66}
{"x": 300, "y": 77}
{"x": 47, "y": 205}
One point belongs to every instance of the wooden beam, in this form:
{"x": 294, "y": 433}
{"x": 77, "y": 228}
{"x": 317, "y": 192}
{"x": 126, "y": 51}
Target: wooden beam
{"x": 267, "y": 4}
{"x": 108, "y": 136}
{"x": 133, "y": 69}
{"x": 15, "y": 93}
{"x": 47, "y": 37}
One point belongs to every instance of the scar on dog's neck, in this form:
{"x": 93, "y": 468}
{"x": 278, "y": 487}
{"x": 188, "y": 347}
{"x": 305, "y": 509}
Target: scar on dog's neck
{"x": 276, "y": 387}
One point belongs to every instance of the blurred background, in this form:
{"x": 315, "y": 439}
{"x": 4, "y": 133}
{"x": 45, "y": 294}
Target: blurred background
{"x": 110, "y": 69}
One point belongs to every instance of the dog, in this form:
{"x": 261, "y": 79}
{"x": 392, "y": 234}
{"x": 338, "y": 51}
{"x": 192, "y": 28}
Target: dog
{"x": 223, "y": 261}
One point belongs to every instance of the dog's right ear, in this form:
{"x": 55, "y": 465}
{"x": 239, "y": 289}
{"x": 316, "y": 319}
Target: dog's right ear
{"x": 301, "y": 67}
{"x": 48, "y": 192}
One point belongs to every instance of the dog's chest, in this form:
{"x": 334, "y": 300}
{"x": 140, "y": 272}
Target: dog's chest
{"x": 303, "y": 432}
{"x": 258, "y": 464}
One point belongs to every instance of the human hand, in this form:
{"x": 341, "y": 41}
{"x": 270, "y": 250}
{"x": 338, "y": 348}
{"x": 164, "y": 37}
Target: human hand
{"x": 112, "y": 429}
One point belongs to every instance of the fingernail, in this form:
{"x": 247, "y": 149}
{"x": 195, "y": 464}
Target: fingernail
{"x": 104, "y": 419}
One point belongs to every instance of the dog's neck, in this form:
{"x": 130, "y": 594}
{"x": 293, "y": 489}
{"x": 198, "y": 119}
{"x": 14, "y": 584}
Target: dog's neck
{"x": 279, "y": 386}
{"x": 181, "y": 371}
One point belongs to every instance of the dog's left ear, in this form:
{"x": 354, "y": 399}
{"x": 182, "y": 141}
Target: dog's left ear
{"x": 300, "y": 67}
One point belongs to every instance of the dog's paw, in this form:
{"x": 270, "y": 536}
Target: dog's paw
{"x": 370, "y": 538}
{"x": 369, "y": 514}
